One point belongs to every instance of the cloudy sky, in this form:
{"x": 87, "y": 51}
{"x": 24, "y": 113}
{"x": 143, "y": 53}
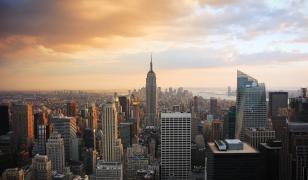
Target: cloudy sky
{"x": 106, "y": 44}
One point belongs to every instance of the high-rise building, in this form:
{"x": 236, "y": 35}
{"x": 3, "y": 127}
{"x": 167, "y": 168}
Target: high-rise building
{"x": 233, "y": 160}
{"x": 255, "y": 136}
{"x": 213, "y": 107}
{"x": 89, "y": 138}
{"x": 229, "y": 123}
{"x": 195, "y": 119}
{"x": 66, "y": 126}
{"x": 55, "y": 152}
{"x": 250, "y": 104}
{"x": 295, "y": 141}
{"x": 22, "y": 120}
{"x": 278, "y": 109}
{"x": 151, "y": 98}
{"x": 175, "y": 145}
{"x": 270, "y": 160}
{"x": 76, "y": 149}
{"x": 40, "y": 118}
{"x": 136, "y": 159}
{"x": 92, "y": 117}
{"x": 89, "y": 160}
{"x": 217, "y": 129}
{"x": 277, "y": 100}
{"x": 108, "y": 171}
{"x": 135, "y": 116}
{"x": 112, "y": 149}
{"x": 71, "y": 109}
{"x": 13, "y": 174}
{"x": 124, "y": 103}
{"x": 41, "y": 168}
{"x": 295, "y": 151}
{"x": 41, "y": 133}
{"x": 126, "y": 134}
{"x": 4, "y": 119}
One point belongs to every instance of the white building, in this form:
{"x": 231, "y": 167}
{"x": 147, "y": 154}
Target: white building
{"x": 41, "y": 167}
{"x": 55, "y": 152}
{"x": 175, "y": 145}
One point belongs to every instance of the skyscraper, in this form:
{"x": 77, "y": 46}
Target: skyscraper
{"x": 4, "y": 119}
{"x": 250, "y": 104}
{"x": 22, "y": 120}
{"x": 295, "y": 141}
{"x": 92, "y": 117}
{"x": 213, "y": 107}
{"x": 277, "y": 100}
{"x": 66, "y": 126}
{"x": 278, "y": 108}
{"x": 217, "y": 129}
{"x": 111, "y": 141}
{"x": 71, "y": 109}
{"x": 195, "y": 119}
{"x": 55, "y": 152}
{"x": 175, "y": 145}
{"x": 124, "y": 102}
{"x": 233, "y": 160}
{"x": 41, "y": 168}
{"x": 229, "y": 123}
{"x": 42, "y": 130}
{"x": 151, "y": 98}
{"x": 270, "y": 159}
{"x": 136, "y": 159}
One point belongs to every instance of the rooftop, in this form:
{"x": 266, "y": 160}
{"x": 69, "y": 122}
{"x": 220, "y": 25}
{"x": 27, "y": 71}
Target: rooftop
{"x": 176, "y": 115}
{"x": 246, "y": 149}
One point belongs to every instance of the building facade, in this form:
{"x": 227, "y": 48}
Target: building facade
{"x": 55, "y": 152}
{"x": 22, "y": 123}
{"x": 66, "y": 126}
{"x": 241, "y": 162}
{"x": 112, "y": 146}
{"x": 108, "y": 171}
{"x": 175, "y": 145}
{"x": 255, "y": 136}
{"x": 41, "y": 168}
{"x": 250, "y": 104}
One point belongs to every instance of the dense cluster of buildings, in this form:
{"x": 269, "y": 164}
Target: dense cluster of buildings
{"x": 155, "y": 134}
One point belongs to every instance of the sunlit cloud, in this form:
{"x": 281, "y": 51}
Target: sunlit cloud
{"x": 106, "y": 44}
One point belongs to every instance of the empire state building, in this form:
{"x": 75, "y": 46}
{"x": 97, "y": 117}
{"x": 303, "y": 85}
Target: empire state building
{"x": 151, "y": 97}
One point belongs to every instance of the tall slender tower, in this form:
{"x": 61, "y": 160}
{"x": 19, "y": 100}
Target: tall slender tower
{"x": 112, "y": 150}
{"x": 250, "y": 104}
{"x": 151, "y": 97}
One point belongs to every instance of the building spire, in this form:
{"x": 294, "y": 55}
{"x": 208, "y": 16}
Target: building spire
{"x": 151, "y": 65}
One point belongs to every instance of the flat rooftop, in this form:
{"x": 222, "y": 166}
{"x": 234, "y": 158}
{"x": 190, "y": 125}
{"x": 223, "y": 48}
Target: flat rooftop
{"x": 246, "y": 149}
{"x": 176, "y": 115}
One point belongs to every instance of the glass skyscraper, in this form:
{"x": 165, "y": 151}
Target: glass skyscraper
{"x": 250, "y": 104}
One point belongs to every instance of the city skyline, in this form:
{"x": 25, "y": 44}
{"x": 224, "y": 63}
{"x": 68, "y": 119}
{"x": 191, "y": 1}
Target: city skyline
{"x": 93, "y": 45}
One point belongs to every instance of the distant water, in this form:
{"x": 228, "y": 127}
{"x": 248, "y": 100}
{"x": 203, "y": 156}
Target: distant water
{"x": 219, "y": 93}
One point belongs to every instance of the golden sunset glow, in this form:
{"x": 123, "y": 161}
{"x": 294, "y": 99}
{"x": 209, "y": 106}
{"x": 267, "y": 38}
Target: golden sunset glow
{"x": 107, "y": 44}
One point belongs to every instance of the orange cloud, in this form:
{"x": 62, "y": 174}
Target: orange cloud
{"x": 69, "y": 26}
